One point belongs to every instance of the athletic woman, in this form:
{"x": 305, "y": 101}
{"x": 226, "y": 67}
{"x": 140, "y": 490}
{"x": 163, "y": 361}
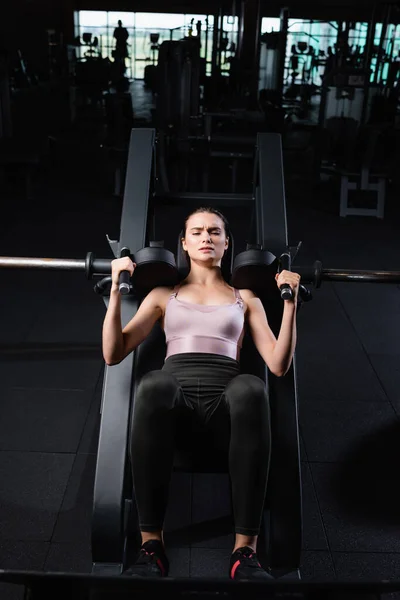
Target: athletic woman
{"x": 200, "y": 388}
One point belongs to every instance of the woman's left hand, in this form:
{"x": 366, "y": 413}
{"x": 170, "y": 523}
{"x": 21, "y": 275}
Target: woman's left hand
{"x": 293, "y": 279}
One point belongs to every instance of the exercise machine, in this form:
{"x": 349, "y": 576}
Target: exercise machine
{"x": 114, "y": 521}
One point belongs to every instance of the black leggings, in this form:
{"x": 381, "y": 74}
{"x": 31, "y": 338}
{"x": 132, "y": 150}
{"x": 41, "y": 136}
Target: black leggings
{"x": 201, "y": 401}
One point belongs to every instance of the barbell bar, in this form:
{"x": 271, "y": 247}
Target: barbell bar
{"x": 93, "y": 266}
{"x": 316, "y": 274}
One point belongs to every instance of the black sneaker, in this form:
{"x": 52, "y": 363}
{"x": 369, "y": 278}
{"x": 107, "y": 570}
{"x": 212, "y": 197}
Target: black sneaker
{"x": 151, "y": 562}
{"x": 244, "y": 565}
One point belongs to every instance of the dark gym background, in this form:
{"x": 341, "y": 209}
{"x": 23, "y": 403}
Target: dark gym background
{"x": 59, "y": 197}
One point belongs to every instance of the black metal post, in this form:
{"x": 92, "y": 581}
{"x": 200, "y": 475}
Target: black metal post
{"x": 109, "y": 506}
{"x": 272, "y": 190}
{"x": 220, "y": 36}
{"x": 284, "y": 17}
{"x": 134, "y": 213}
{"x": 284, "y": 532}
{"x": 385, "y": 22}
{"x": 240, "y": 29}
{"x": 249, "y": 57}
{"x": 206, "y": 45}
{"x": 367, "y": 62}
{"x": 214, "y": 55}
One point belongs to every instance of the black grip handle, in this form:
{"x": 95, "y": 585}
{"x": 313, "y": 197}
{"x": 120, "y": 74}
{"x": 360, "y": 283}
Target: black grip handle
{"x": 124, "y": 284}
{"x": 285, "y": 265}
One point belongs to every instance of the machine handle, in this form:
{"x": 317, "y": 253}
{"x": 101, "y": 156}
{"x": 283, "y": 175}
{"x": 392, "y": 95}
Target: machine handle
{"x": 285, "y": 265}
{"x": 124, "y": 276}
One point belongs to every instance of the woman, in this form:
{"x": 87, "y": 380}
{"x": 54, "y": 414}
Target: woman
{"x": 204, "y": 320}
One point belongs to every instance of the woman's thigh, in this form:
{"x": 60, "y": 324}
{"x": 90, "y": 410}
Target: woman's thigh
{"x": 206, "y": 442}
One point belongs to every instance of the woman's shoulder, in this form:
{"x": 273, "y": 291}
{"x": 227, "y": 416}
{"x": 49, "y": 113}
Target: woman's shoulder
{"x": 161, "y": 294}
{"x": 246, "y": 295}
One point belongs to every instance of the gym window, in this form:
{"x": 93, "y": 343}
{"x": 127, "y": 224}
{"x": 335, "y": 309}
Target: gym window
{"x": 91, "y": 24}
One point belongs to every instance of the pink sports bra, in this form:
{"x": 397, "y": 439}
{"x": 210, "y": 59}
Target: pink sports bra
{"x": 216, "y": 329}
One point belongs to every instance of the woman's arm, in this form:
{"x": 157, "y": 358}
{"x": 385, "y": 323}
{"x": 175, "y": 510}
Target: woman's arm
{"x": 286, "y": 342}
{"x": 277, "y": 353}
{"x": 118, "y": 343}
{"x": 112, "y": 329}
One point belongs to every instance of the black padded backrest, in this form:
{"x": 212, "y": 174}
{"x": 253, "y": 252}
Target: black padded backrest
{"x": 182, "y": 261}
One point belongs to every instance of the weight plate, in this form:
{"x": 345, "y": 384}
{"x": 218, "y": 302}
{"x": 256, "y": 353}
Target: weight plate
{"x": 254, "y": 270}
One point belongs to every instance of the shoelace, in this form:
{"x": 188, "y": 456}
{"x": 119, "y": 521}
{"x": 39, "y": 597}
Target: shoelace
{"x": 248, "y": 559}
{"x": 252, "y": 559}
{"x": 143, "y": 560}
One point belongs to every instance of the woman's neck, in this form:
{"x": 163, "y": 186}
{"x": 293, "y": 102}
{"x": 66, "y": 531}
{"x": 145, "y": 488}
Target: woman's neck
{"x": 207, "y": 277}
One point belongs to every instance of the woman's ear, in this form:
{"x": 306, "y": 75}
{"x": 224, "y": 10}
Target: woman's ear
{"x": 183, "y": 244}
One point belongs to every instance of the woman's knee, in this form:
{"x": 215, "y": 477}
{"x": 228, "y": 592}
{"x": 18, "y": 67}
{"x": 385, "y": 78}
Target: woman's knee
{"x": 157, "y": 389}
{"x": 246, "y": 391}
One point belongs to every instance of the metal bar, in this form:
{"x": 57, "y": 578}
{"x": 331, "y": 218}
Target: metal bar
{"x": 233, "y": 139}
{"x": 256, "y": 228}
{"x": 206, "y": 43}
{"x": 222, "y": 139}
{"x": 220, "y": 35}
{"x": 361, "y": 276}
{"x": 233, "y": 114}
{"x": 250, "y": 48}
{"x": 240, "y": 29}
{"x": 215, "y": 45}
{"x": 367, "y": 62}
{"x": 109, "y": 516}
{"x": 100, "y": 266}
{"x": 137, "y": 188}
{"x": 103, "y": 265}
{"x": 284, "y": 26}
{"x": 283, "y": 529}
{"x": 381, "y": 52}
{"x": 257, "y": 209}
{"x": 285, "y": 535}
{"x": 142, "y": 588}
{"x": 311, "y": 274}
{"x": 108, "y": 497}
{"x": 272, "y": 192}
{"x": 23, "y": 262}
{"x": 217, "y": 154}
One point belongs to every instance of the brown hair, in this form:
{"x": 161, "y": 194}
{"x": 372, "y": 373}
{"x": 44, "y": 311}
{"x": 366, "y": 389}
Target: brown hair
{"x": 208, "y": 209}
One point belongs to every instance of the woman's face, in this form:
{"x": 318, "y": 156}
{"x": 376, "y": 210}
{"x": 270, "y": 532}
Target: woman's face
{"x": 205, "y": 239}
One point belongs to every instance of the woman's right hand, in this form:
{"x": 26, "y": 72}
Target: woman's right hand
{"x": 117, "y": 266}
